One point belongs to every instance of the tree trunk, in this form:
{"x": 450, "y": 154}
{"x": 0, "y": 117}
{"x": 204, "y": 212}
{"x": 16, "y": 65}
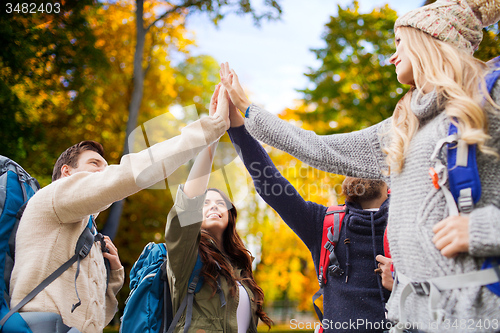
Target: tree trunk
{"x": 115, "y": 213}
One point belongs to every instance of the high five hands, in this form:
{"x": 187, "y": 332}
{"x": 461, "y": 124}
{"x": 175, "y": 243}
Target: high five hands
{"x": 230, "y": 81}
{"x": 219, "y": 104}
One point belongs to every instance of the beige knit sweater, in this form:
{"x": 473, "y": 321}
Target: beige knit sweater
{"x": 57, "y": 214}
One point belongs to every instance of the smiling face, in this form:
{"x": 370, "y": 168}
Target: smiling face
{"x": 215, "y": 214}
{"x": 404, "y": 68}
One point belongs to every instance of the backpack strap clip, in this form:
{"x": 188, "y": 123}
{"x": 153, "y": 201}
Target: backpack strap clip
{"x": 421, "y": 288}
{"x": 465, "y": 202}
{"x": 329, "y": 246}
{"x": 320, "y": 278}
{"x": 335, "y": 270}
{"x": 192, "y": 285}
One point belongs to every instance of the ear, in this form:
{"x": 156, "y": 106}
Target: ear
{"x": 66, "y": 170}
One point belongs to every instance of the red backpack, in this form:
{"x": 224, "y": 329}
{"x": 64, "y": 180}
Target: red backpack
{"x": 328, "y": 262}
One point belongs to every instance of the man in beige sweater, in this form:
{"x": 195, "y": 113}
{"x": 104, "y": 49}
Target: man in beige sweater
{"x": 83, "y": 185}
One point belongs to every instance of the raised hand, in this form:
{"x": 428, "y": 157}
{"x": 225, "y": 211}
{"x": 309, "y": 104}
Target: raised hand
{"x": 222, "y": 107}
{"x": 213, "y": 100}
{"x": 230, "y": 81}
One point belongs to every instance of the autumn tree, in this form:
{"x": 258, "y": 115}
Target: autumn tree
{"x": 168, "y": 86}
{"x": 355, "y": 86}
{"x": 48, "y": 63}
{"x": 145, "y": 25}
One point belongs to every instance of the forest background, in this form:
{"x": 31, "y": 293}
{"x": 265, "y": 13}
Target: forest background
{"x": 105, "y": 71}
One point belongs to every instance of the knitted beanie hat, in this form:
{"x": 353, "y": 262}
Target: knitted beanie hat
{"x": 457, "y": 22}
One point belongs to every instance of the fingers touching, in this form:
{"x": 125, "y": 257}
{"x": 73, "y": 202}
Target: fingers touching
{"x": 236, "y": 93}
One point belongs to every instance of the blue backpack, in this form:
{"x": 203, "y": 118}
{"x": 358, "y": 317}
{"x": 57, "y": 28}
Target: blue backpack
{"x": 148, "y": 307}
{"x": 463, "y": 177}
{"x": 16, "y": 188}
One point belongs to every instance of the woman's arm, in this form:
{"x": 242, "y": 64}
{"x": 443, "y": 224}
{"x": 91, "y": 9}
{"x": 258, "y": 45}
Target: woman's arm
{"x": 275, "y": 189}
{"x": 182, "y": 232}
{"x": 356, "y": 154}
{"x": 199, "y": 175}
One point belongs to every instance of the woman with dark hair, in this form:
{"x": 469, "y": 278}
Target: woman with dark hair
{"x": 204, "y": 222}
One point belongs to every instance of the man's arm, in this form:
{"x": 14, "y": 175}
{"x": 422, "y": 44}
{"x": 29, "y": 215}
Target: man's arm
{"x": 86, "y": 193}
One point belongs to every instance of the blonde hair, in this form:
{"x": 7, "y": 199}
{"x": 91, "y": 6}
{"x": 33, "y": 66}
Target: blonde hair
{"x": 459, "y": 82}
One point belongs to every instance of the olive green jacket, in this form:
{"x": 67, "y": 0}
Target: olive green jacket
{"x": 182, "y": 251}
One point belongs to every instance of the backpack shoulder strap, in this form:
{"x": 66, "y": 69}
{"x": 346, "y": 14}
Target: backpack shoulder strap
{"x": 463, "y": 174}
{"x": 196, "y": 273}
{"x": 194, "y": 286}
{"x": 168, "y": 312}
{"x": 332, "y": 224}
{"x": 83, "y": 246}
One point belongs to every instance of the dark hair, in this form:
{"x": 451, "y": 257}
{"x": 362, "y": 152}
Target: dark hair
{"x": 70, "y": 156}
{"x": 236, "y": 255}
{"x": 359, "y": 190}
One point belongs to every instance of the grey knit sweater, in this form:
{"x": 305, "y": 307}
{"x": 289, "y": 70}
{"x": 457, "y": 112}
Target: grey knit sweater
{"x": 416, "y": 206}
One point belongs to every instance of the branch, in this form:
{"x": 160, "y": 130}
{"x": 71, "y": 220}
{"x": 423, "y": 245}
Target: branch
{"x": 186, "y": 4}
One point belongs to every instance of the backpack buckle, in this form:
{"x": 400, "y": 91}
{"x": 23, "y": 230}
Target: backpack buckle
{"x": 421, "y": 288}
{"x": 335, "y": 270}
{"x": 329, "y": 246}
{"x": 84, "y": 251}
{"x": 465, "y": 203}
{"x": 192, "y": 286}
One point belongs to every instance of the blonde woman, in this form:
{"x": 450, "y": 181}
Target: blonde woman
{"x": 434, "y": 46}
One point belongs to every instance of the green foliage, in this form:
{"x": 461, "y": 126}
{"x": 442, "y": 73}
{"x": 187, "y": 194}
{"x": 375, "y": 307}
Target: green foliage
{"x": 46, "y": 64}
{"x": 490, "y": 46}
{"x": 196, "y": 80}
{"x": 217, "y": 9}
{"x": 356, "y": 86}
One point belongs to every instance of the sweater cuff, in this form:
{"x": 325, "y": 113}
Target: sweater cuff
{"x": 484, "y": 232}
{"x": 213, "y": 127}
{"x": 236, "y": 130}
{"x": 189, "y": 210}
{"x": 116, "y": 279}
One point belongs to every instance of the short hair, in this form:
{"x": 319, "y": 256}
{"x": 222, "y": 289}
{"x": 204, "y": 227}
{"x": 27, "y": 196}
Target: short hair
{"x": 70, "y": 156}
{"x": 360, "y": 190}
